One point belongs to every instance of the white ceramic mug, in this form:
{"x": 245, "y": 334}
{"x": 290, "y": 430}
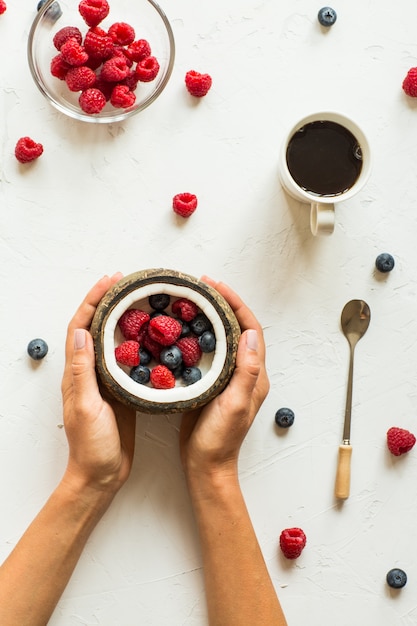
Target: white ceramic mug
{"x": 322, "y": 211}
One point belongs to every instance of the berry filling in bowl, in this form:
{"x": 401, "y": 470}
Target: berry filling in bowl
{"x": 168, "y": 357}
{"x": 101, "y": 60}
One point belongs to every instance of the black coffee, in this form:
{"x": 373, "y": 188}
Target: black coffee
{"x": 324, "y": 158}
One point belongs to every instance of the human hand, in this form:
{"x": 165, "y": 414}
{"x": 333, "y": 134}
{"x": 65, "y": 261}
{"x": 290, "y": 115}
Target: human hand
{"x": 210, "y": 439}
{"x": 101, "y": 434}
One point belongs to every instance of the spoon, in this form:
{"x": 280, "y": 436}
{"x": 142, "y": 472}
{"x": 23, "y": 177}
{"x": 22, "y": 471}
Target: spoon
{"x": 355, "y": 319}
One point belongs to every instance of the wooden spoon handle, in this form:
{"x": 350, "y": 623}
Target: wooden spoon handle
{"x": 342, "y": 487}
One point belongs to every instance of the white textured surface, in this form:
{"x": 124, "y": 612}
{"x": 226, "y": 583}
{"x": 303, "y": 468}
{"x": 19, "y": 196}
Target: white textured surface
{"x": 99, "y": 201}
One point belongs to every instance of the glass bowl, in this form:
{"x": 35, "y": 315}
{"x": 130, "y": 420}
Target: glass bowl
{"x": 133, "y": 291}
{"x": 149, "y": 22}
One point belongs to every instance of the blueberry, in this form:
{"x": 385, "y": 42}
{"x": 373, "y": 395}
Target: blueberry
{"x": 37, "y": 349}
{"x": 284, "y": 417}
{"x": 396, "y": 578}
{"x": 53, "y": 12}
{"x": 140, "y": 374}
{"x": 144, "y": 356}
{"x": 200, "y": 323}
{"x": 327, "y": 16}
{"x": 207, "y": 341}
{"x": 185, "y": 328}
{"x": 191, "y": 375}
{"x": 171, "y": 357}
{"x": 159, "y": 301}
{"x": 384, "y": 262}
{"x": 157, "y": 314}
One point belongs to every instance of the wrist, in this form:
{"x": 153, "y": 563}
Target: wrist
{"x": 212, "y": 483}
{"x": 90, "y": 496}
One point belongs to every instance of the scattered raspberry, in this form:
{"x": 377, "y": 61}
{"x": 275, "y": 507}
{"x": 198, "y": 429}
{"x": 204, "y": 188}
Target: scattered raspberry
{"x": 3, "y": 7}
{"x": 80, "y": 78}
{"x": 410, "y": 83}
{"x": 122, "y": 33}
{"x": 162, "y": 377}
{"x": 184, "y": 204}
{"x": 127, "y": 353}
{"x": 73, "y": 53}
{"x": 59, "y": 67}
{"x": 197, "y": 84}
{"x": 66, "y": 33}
{"x": 147, "y": 70}
{"x": 98, "y": 44}
{"x": 399, "y": 440}
{"x": 138, "y": 50}
{"x": 27, "y": 150}
{"x": 92, "y": 100}
{"x": 164, "y": 329}
{"x": 184, "y": 309}
{"x": 114, "y": 69}
{"x": 292, "y": 542}
{"x": 93, "y": 11}
{"x": 122, "y": 97}
{"x": 190, "y": 350}
{"x": 131, "y": 322}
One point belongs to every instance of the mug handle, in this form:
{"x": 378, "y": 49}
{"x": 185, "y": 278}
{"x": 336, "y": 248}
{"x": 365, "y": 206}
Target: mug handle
{"x": 321, "y": 218}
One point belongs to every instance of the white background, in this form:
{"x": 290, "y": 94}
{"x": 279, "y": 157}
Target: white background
{"x": 99, "y": 200}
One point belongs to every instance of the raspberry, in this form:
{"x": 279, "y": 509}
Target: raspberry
{"x": 164, "y": 329}
{"x": 93, "y": 11}
{"x": 27, "y": 150}
{"x": 149, "y": 344}
{"x": 98, "y": 44}
{"x": 162, "y": 377}
{"x": 122, "y": 97}
{"x": 131, "y": 81}
{"x": 399, "y": 440}
{"x": 80, "y": 78}
{"x": 410, "y": 83}
{"x": 147, "y": 69}
{"x": 92, "y": 100}
{"x": 114, "y": 69}
{"x": 122, "y": 33}
{"x": 64, "y": 34}
{"x": 131, "y": 322}
{"x": 127, "y": 353}
{"x": 190, "y": 350}
{"x": 73, "y": 53}
{"x": 138, "y": 50}
{"x": 3, "y": 7}
{"x": 184, "y": 204}
{"x": 105, "y": 87}
{"x": 59, "y": 67}
{"x": 292, "y": 542}
{"x": 197, "y": 84}
{"x": 184, "y": 309}
{"x": 119, "y": 51}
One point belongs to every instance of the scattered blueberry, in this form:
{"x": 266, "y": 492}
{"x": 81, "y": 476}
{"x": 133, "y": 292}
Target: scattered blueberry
{"x": 144, "y": 356}
{"x": 200, "y": 323}
{"x": 384, "y": 262}
{"x": 284, "y": 417}
{"x": 396, "y": 578}
{"x": 140, "y": 374}
{"x": 327, "y": 16}
{"x": 171, "y": 357}
{"x": 53, "y": 12}
{"x": 207, "y": 341}
{"x": 159, "y": 301}
{"x": 37, "y": 349}
{"x": 191, "y": 375}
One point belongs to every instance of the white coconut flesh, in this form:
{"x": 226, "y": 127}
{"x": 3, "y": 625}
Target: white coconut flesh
{"x": 210, "y": 364}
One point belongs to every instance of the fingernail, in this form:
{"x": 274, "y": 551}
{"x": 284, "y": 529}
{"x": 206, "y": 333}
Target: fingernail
{"x": 208, "y": 280}
{"x": 79, "y": 338}
{"x": 116, "y": 276}
{"x": 252, "y": 340}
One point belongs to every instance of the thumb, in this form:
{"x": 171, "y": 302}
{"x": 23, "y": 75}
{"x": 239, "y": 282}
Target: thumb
{"x": 248, "y": 364}
{"x": 84, "y": 378}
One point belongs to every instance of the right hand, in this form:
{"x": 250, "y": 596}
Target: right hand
{"x": 210, "y": 439}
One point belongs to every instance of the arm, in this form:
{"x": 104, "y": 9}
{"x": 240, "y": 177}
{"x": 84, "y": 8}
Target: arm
{"x": 238, "y": 587}
{"x": 101, "y": 447}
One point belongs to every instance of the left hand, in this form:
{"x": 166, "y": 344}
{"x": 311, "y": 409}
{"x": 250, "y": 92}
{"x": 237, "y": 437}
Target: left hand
{"x": 101, "y": 433}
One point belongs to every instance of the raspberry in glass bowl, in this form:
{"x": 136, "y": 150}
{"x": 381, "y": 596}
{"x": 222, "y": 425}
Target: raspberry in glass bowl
{"x": 101, "y": 61}
{"x": 142, "y": 313}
